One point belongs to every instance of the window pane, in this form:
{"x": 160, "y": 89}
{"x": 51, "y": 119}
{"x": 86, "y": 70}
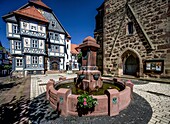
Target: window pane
{"x": 130, "y": 27}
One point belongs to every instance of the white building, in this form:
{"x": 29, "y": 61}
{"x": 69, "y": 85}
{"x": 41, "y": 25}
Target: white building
{"x": 74, "y": 57}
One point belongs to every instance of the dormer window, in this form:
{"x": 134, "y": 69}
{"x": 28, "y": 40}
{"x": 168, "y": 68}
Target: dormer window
{"x": 53, "y": 23}
{"x": 130, "y": 28}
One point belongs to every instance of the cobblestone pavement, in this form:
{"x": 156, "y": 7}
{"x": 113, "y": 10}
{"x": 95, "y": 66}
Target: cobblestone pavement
{"x": 157, "y": 94}
{"x": 38, "y": 82}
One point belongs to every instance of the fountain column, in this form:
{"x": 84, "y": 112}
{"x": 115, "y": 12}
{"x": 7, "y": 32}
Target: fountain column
{"x": 89, "y": 75}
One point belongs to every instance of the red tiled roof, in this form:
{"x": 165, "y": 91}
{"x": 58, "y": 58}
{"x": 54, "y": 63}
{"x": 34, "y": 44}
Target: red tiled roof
{"x": 73, "y": 49}
{"x": 39, "y": 2}
{"x": 31, "y": 12}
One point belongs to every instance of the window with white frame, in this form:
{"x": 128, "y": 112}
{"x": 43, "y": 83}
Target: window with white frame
{"x": 17, "y": 45}
{"x": 35, "y": 60}
{"x": 35, "y": 43}
{"x": 18, "y": 62}
{"x": 15, "y": 29}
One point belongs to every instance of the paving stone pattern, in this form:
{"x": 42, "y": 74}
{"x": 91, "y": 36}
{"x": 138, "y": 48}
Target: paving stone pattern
{"x": 157, "y": 96}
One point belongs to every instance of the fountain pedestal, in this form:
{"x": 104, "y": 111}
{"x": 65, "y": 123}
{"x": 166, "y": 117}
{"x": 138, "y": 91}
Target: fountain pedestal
{"x": 89, "y": 78}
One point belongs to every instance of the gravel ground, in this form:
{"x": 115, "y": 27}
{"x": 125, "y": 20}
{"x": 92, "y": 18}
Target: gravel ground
{"x": 138, "y": 112}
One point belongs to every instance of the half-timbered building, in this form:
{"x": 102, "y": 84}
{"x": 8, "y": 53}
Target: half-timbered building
{"x": 38, "y": 41}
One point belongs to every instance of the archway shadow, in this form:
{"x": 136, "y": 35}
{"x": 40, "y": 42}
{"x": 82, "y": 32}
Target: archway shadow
{"x": 139, "y": 111}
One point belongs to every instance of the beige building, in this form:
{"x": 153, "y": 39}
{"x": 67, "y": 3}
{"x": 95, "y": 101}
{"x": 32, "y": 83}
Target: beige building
{"x": 135, "y": 37}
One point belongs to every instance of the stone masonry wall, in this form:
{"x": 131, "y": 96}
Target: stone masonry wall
{"x": 152, "y": 15}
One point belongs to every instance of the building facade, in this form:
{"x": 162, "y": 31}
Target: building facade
{"x": 135, "y": 37}
{"x": 74, "y": 57}
{"x": 38, "y": 41}
{"x": 5, "y": 65}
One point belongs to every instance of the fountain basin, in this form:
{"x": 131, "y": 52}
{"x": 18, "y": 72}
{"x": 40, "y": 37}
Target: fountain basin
{"x": 111, "y": 103}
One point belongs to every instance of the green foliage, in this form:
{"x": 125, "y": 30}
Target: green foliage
{"x": 1, "y": 48}
{"x": 80, "y": 55}
{"x": 86, "y": 101}
{"x": 7, "y": 67}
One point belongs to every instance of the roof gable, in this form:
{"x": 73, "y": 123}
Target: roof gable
{"x": 50, "y": 16}
{"x": 40, "y": 3}
{"x": 31, "y": 12}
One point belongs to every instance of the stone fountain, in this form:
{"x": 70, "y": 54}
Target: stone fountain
{"x": 89, "y": 79}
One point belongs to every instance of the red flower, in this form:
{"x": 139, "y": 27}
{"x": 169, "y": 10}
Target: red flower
{"x": 85, "y": 103}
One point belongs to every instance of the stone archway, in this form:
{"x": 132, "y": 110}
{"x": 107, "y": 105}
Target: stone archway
{"x": 131, "y": 63}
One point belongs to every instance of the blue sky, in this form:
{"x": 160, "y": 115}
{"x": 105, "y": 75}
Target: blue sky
{"x": 76, "y": 16}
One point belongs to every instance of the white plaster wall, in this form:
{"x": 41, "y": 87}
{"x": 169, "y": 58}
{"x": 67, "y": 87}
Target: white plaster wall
{"x": 61, "y": 64}
{"x": 41, "y": 42}
{"x": 18, "y": 57}
{"x": 61, "y": 49}
{"x": 40, "y": 60}
{"x": 9, "y": 27}
{"x": 12, "y": 46}
{"x": 28, "y": 59}
{"x": 62, "y": 37}
{"x": 15, "y": 35}
{"x": 68, "y": 42}
{"x": 18, "y": 69}
{"x": 43, "y": 29}
{"x": 17, "y": 52}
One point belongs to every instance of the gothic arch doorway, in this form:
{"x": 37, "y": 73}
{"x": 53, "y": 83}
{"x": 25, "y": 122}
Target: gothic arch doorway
{"x": 131, "y": 63}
